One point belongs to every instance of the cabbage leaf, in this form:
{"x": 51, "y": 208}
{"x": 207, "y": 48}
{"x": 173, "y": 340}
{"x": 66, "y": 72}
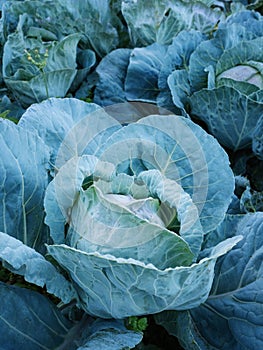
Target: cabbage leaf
{"x": 24, "y": 177}
{"x": 231, "y": 317}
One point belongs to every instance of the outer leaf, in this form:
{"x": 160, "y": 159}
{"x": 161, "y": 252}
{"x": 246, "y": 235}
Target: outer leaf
{"x": 112, "y": 287}
{"x": 257, "y": 140}
{"x": 2, "y": 3}
{"x": 231, "y": 318}
{"x": 24, "y": 177}
{"x": 63, "y": 54}
{"x": 29, "y": 321}
{"x": 132, "y": 75}
{"x": 195, "y": 15}
{"x": 68, "y": 127}
{"x": 13, "y": 109}
{"x": 35, "y": 91}
{"x": 110, "y": 335}
{"x": 180, "y": 88}
{"x": 176, "y": 58}
{"x": 143, "y": 20}
{"x": 112, "y": 72}
{"x": 226, "y": 229}
{"x": 175, "y": 323}
{"x": 231, "y": 116}
{"x": 162, "y": 143}
{"x": 34, "y": 267}
{"x": 40, "y": 325}
{"x": 141, "y": 82}
{"x": 86, "y": 59}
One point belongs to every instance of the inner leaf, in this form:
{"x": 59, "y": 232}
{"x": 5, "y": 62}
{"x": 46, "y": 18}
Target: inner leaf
{"x": 244, "y": 73}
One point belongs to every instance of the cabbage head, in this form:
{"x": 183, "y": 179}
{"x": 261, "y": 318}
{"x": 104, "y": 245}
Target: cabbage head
{"x": 129, "y": 208}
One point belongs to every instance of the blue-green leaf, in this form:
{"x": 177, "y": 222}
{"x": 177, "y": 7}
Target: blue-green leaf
{"x": 110, "y": 335}
{"x": 176, "y": 58}
{"x": 143, "y": 20}
{"x": 141, "y": 83}
{"x": 24, "y": 177}
{"x": 68, "y": 127}
{"x": 180, "y": 88}
{"x": 25, "y": 261}
{"x": 112, "y": 72}
{"x": 112, "y": 287}
{"x": 257, "y": 141}
{"x": 29, "y": 321}
{"x": 64, "y": 190}
{"x": 230, "y": 116}
{"x": 173, "y": 195}
{"x": 231, "y": 317}
{"x": 125, "y": 228}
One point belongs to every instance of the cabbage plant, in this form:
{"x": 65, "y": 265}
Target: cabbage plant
{"x": 36, "y": 66}
{"x": 137, "y": 225}
{"x": 128, "y": 213}
{"x": 222, "y": 79}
